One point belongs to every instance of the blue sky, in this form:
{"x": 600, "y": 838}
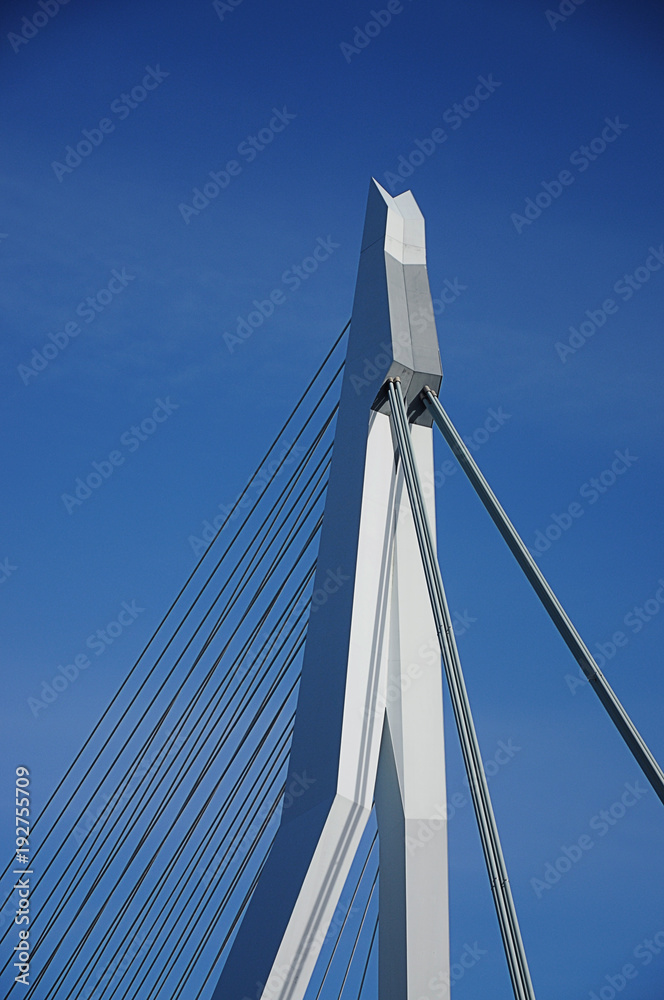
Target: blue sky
{"x": 528, "y": 236}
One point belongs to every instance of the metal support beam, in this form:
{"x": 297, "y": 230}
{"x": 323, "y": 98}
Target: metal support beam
{"x": 555, "y": 610}
{"x": 493, "y": 855}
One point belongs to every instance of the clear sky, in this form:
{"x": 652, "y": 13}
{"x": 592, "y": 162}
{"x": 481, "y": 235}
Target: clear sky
{"x": 532, "y": 141}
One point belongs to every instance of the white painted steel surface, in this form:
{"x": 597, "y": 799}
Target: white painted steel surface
{"x": 375, "y": 629}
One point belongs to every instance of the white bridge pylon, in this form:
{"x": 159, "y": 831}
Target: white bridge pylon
{"x": 369, "y": 720}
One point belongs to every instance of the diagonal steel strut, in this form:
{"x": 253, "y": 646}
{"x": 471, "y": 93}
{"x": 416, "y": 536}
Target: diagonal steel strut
{"x": 493, "y": 855}
{"x": 554, "y": 608}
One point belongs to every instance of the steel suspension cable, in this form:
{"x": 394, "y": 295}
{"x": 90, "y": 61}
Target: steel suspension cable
{"x": 348, "y": 912}
{"x": 357, "y": 936}
{"x": 366, "y": 964}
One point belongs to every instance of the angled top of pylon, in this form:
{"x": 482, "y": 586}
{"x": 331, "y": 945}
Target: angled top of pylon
{"x": 393, "y": 330}
{"x": 399, "y": 221}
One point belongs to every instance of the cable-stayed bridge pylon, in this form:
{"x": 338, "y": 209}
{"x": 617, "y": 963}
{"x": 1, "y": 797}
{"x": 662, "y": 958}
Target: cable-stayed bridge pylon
{"x": 268, "y": 746}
